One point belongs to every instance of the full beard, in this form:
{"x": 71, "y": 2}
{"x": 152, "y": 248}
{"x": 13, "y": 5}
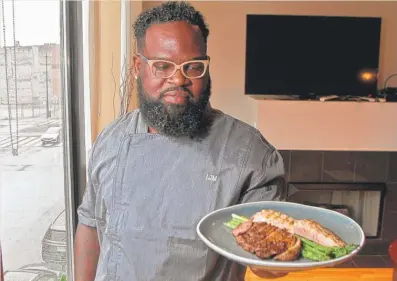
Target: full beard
{"x": 175, "y": 120}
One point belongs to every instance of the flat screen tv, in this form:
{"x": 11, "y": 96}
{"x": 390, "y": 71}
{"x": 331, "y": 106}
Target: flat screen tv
{"x": 311, "y": 55}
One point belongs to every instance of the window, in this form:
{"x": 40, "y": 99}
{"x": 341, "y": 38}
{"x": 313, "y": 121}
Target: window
{"x": 38, "y": 95}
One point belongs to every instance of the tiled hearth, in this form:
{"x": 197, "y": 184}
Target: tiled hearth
{"x": 353, "y": 167}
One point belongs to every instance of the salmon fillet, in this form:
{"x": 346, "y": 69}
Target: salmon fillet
{"x": 275, "y": 218}
{"x": 308, "y": 229}
{"x": 317, "y": 233}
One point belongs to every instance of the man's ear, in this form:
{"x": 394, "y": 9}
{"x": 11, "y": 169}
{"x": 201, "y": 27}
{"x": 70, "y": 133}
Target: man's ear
{"x": 136, "y": 65}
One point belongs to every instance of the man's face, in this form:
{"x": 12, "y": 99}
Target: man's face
{"x": 170, "y": 102}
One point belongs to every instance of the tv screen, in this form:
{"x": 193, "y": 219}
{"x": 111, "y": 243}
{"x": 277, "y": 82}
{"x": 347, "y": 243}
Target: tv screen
{"x": 311, "y": 55}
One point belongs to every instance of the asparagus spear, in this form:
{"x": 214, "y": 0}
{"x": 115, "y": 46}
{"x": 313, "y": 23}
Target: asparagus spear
{"x": 240, "y": 218}
{"x": 319, "y": 247}
{"x": 338, "y": 252}
{"x": 314, "y": 256}
{"x": 334, "y": 252}
{"x": 235, "y": 221}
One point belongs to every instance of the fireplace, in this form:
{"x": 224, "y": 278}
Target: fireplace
{"x": 361, "y": 184}
{"x": 363, "y": 202}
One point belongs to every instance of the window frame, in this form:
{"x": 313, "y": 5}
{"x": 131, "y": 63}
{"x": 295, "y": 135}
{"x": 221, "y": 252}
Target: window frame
{"x": 74, "y": 111}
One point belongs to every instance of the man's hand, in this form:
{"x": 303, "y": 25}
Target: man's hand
{"x": 263, "y": 273}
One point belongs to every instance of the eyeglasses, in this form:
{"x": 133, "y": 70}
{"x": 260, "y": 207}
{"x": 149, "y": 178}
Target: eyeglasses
{"x": 164, "y": 69}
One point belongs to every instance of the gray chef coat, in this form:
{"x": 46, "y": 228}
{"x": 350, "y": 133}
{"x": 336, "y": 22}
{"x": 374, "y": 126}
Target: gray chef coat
{"x": 146, "y": 193}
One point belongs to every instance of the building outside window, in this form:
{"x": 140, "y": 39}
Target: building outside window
{"x": 36, "y": 195}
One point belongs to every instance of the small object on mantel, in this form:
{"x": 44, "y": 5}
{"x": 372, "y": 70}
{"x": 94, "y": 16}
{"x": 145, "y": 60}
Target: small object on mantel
{"x": 393, "y": 257}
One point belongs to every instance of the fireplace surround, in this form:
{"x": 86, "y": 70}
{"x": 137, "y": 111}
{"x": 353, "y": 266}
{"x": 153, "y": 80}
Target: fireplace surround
{"x": 361, "y": 183}
{"x": 362, "y": 202}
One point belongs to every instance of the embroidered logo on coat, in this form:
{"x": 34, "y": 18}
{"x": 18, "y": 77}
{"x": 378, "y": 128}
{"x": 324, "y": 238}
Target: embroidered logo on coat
{"x": 210, "y": 177}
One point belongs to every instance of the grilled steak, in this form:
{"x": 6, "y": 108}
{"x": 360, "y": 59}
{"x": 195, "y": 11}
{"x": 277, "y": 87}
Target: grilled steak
{"x": 267, "y": 241}
{"x": 308, "y": 229}
{"x": 292, "y": 252}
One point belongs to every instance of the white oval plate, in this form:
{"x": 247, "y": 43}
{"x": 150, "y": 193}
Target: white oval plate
{"x": 219, "y": 238}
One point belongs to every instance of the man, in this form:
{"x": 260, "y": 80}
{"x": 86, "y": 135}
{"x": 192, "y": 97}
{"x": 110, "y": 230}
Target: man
{"x": 154, "y": 173}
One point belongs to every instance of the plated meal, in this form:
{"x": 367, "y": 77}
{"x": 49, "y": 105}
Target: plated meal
{"x": 273, "y": 234}
{"x": 281, "y": 236}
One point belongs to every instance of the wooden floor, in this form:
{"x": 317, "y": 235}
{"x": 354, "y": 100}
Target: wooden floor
{"x": 334, "y": 274}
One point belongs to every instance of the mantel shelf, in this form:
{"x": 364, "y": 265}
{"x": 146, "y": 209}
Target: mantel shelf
{"x": 289, "y": 99}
